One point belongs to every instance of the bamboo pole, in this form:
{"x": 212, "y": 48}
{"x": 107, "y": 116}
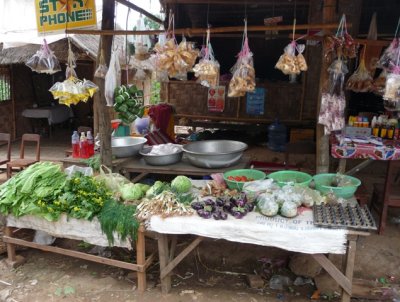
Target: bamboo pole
{"x": 359, "y": 41}
{"x": 194, "y": 31}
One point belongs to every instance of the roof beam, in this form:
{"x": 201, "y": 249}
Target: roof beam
{"x": 233, "y": 2}
{"x": 140, "y": 10}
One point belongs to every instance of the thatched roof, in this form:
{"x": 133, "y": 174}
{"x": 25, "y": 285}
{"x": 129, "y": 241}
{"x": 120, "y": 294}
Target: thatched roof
{"x": 84, "y": 47}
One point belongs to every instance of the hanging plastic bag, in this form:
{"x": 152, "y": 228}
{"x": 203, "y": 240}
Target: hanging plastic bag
{"x": 207, "y": 70}
{"x": 44, "y": 60}
{"x": 337, "y": 71}
{"x": 141, "y": 42}
{"x": 102, "y": 69}
{"x": 244, "y": 76}
{"x": 287, "y": 62}
{"x": 342, "y": 44}
{"x": 72, "y": 90}
{"x": 113, "y": 78}
{"x": 392, "y": 88}
{"x": 389, "y": 55}
{"x": 360, "y": 80}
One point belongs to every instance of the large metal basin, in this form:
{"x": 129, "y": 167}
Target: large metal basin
{"x": 214, "y": 153}
{"x": 127, "y": 146}
{"x": 160, "y": 160}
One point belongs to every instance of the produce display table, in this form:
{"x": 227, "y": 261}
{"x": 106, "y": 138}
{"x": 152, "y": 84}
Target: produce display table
{"x": 296, "y": 234}
{"x": 138, "y": 165}
{"x": 76, "y": 229}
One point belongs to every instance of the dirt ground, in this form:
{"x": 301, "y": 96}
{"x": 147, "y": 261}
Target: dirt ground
{"x": 213, "y": 272}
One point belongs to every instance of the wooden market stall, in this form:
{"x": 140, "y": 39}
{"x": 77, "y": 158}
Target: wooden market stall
{"x": 296, "y": 104}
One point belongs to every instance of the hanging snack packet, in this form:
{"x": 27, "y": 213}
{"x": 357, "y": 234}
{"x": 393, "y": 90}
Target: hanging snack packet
{"x": 360, "y": 80}
{"x": 287, "y": 62}
{"x": 378, "y": 86}
{"x": 392, "y": 88}
{"x": 102, "y": 69}
{"x": 244, "y": 76}
{"x": 207, "y": 70}
{"x": 44, "y": 60}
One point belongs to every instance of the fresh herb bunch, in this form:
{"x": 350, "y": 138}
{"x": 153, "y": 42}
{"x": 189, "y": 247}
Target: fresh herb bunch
{"x": 82, "y": 197}
{"x": 94, "y": 162}
{"x": 129, "y": 103}
{"x": 118, "y": 218}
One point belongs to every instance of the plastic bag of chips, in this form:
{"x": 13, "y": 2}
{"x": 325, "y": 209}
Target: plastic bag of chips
{"x": 207, "y": 70}
{"x": 244, "y": 76}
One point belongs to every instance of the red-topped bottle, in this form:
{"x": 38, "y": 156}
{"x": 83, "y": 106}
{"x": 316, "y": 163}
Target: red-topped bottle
{"x": 75, "y": 145}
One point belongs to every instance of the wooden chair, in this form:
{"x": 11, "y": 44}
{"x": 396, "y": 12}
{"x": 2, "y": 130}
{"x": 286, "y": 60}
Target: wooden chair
{"x": 387, "y": 195}
{"x": 23, "y": 162}
{"x": 6, "y": 137}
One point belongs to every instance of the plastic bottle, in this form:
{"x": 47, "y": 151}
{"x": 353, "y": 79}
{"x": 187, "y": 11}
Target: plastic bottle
{"x": 277, "y": 136}
{"x": 75, "y": 145}
{"x": 83, "y": 146}
{"x": 90, "y": 142}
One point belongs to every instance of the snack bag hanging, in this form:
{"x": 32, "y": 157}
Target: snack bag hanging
{"x": 301, "y": 61}
{"x": 207, "y": 70}
{"x": 360, "y": 80}
{"x": 342, "y": 44}
{"x": 244, "y": 77}
{"x": 44, "y": 60}
{"x": 102, "y": 69}
{"x": 390, "y": 54}
{"x": 113, "y": 78}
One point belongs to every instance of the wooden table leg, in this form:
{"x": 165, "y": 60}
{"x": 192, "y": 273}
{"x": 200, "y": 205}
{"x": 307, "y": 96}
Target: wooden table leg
{"x": 163, "y": 255}
{"x": 141, "y": 259}
{"x": 8, "y": 231}
{"x": 349, "y": 269}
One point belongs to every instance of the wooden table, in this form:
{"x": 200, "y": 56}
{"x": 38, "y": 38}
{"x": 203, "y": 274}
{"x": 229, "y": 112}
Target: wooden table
{"x": 81, "y": 228}
{"x": 138, "y": 165}
{"x": 167, "y": 243}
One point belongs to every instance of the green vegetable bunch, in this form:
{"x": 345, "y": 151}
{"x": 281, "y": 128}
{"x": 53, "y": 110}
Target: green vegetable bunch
{"x": 82, "y": 197}
{"x": 41, "y": 181}
{"x": 128, "y": 103}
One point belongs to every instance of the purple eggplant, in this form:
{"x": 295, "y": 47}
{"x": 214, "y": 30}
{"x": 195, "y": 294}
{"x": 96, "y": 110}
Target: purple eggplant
{"x": 249, "y": 206}
{"x": 217, "y": 215}
{"x": 237, "y": 215}
{"x": 209, "y": 202}
{"x": 220, "y": 202}
{"x": 223, "y": 216}
{"x": 197, "y": 205}
{"x": 206, "y": 215}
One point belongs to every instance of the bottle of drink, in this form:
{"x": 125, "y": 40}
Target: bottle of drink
{"x": 90, "y": 142}
{"x": 75, "y": 144}
{"x": 84, "y": 146}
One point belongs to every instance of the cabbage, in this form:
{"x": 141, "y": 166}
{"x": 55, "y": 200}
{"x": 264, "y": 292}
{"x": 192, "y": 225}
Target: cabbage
{"x": 131, "y": 191}
{"x": 181, "y": 184}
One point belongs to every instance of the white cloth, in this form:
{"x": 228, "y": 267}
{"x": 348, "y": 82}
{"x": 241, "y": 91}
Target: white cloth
{"x": 71, "y": 228}
{"x": 295, "y": 234}
{"x": 54, "y": 114}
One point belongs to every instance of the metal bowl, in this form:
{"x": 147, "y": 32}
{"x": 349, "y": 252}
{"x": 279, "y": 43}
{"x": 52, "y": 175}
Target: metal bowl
{"x": 127, "y": 146}
{"x": 214, "y": 153}
{"x": 160, "y": 160}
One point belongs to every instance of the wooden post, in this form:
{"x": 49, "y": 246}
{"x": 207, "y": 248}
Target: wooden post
{"x": 102, "y": 111}
{"x": 141, "y": 259}
{"x": 8, "y": 231}
{"x": 163, "y": 255}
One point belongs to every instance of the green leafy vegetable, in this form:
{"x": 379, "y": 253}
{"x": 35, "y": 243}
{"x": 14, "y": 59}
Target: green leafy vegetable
{"x": 181, "y": 184}
{"x": 118, "y": 218}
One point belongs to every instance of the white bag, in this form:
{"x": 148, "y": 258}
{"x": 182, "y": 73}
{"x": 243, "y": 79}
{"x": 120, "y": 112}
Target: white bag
{"x": 113, "y": 78}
